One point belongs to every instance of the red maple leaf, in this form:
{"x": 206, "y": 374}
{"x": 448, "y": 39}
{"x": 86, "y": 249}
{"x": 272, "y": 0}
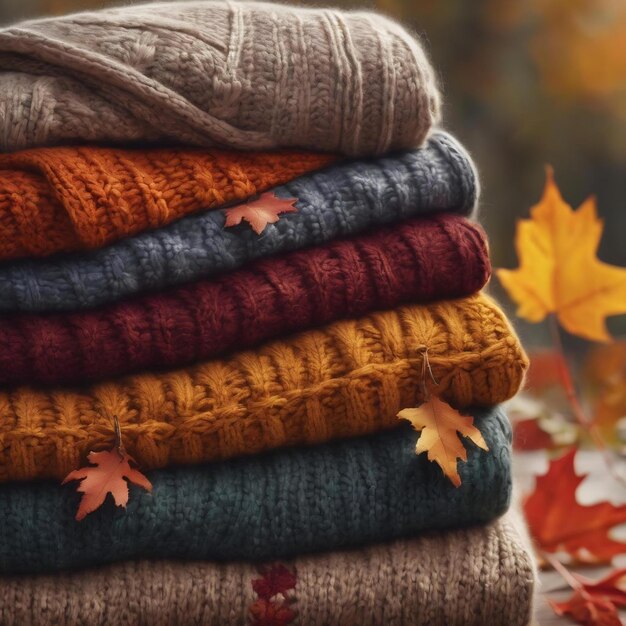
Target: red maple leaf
{"x": 528, "y": 435}
{"x": 612, "y": 586}
{"x": 594, "y": 603}
{"x": 558, "y": 522}
{"x": 588, "y": 610}
{"x": 266, "y": 613}
{"x": 111, "y": 468}
{"x": 260, "y": 212}
{"x": 275, "y": 579}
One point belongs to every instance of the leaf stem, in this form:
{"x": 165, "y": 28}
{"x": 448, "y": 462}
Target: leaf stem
{"x": 575, "y": 405}
{"x": 563, "y": 571}
{"x": 566, "y": 375}
{"x": 118, "y": 445}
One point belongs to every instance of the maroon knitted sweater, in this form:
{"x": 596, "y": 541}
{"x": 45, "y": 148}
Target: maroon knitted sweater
{"x": 417, "y": 261}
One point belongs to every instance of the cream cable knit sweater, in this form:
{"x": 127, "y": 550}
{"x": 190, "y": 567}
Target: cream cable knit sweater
{"x": 238, "y": 74}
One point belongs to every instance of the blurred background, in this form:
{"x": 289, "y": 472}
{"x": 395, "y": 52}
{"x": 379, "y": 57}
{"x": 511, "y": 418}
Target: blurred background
{"x": 526, "y": 82}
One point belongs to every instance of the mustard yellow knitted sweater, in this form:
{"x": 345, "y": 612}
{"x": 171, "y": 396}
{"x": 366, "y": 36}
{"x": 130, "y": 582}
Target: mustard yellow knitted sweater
{"x": 346, "y": 379}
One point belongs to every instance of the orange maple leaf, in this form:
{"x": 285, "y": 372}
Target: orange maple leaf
{"x": 594, "y": 603}
{"x": 112, "y": 466}
{"x": 439, "y": 424}
{"x": 558, "y": 522}
{"x": 260, "y": 212}
{"x": 559, "y": 271}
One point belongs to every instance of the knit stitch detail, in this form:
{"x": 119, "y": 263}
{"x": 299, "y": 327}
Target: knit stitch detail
{"x": 273, "y": 506}
{"x": 60, "y": 199}
{"x": 346, "y": 379}
{"x": 417, "y": 261}
{"x": 467, "y": 577}
{"x": 250, "y": 76}
{"x": 344, "y": 200}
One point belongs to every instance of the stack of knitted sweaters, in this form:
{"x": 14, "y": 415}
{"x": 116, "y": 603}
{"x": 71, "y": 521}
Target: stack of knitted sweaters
{"x": 256, "y": 374}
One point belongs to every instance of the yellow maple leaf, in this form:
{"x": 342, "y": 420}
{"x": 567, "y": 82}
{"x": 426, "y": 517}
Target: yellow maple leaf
{"x": 559, "y": 271}
{"x": 439, "y": 424}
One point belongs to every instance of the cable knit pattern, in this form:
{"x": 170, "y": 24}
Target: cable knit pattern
{"x": 339, "y": 201}
{"x": 293, "y": 501}
{"x": 59, "y": 199}
{"x": 346, "y": 379}
{"x": 245, "y": 75}
{"x": 417, "y": 261}
{"x": 469, "y": 577}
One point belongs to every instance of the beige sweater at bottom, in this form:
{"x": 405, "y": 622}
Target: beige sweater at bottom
{"x": 471, "y": 577}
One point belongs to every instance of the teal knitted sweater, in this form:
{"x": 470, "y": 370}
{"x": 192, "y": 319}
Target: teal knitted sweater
{"x": 277, "y": 505}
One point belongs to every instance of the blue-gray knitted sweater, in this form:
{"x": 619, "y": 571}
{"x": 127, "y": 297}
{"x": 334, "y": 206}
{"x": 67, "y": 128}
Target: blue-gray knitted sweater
{"x": 335, "y": 202}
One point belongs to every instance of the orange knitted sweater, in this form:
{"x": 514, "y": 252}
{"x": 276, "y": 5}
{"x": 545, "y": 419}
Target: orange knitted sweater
{"x": 346, "y": 379}
{"x": 72, "y": 198}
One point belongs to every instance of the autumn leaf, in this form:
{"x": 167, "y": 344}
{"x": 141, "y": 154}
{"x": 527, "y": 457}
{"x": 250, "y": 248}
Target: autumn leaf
{"x": 440, "y": 426}
{"x": 612, "y": 586}
{"x": 558, "y": 522}
{"x": 588, "y": 610}
{"x": 528, "y": 435}
{"x": 544, "y": 371}
{"x": 266, "y": 613}
{"x": 595, "y": 603}
{"x": 111, "y": 468}
{"x": 559, "y": 271}
{"x": 276, "y": 579}
{"x": 605, "y": 370}
{"x": 260, "y": 212}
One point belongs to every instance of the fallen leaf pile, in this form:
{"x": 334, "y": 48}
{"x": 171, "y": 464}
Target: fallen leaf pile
{"x": 559, "y": 271}
{"x": 560, "y": 277}
{"x": 440, "y": 426}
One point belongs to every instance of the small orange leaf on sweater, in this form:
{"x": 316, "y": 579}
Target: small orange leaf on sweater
{"x": 558, "y": 522}
{"x": 111, "y": 468}
{"x": 559, "y": 271}
{"x": 595, "y": 602}
{"x": 440, "y": 426}
{"x": 260, "y": 212}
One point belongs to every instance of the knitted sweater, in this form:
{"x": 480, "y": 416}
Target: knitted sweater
{"x": 466, "y": 577}
{"x": 419, "y": 260}
{"x": 289, "y": 502}
{"x": 238, "y": 74}
{"x": 344, "y": 200}
{"x": 57, "y": 199}
{"x": 346, "y": 379}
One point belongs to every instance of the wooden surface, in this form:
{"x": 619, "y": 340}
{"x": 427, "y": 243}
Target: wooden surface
{"x": 597, "y": 487}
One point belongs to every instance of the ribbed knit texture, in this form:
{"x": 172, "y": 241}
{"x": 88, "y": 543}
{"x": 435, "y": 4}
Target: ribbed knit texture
{"x": 417, "y": 261}
{"x": 343, "y": 200}
{"x": 59, "y": 199}
{"x": 246, "y": 75}
{"x": 346, "y": 379}
{"x": 289, "y": 502}
{"x": 471, "y": 577}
